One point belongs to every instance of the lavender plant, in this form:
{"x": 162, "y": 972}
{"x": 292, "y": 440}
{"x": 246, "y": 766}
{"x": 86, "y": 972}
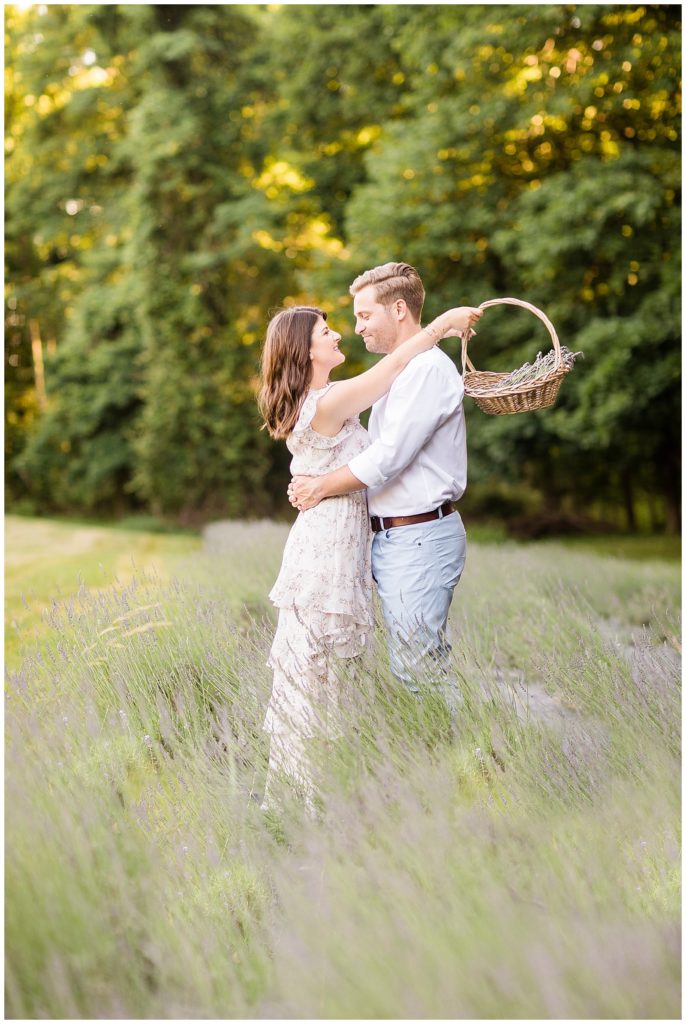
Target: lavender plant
{"x": 507, "y": 847}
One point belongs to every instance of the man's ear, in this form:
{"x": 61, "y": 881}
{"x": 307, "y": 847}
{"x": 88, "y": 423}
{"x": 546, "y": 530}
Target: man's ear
{"x": 400, "y": 307}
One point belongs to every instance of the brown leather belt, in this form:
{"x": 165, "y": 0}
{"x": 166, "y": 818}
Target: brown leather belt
{"x": 389, "y": 522}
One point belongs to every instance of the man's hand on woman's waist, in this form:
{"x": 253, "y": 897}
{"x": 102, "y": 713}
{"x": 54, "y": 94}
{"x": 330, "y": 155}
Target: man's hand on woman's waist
{"x": 304, "y": 492}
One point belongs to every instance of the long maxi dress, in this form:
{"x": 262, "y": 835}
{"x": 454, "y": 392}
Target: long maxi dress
{"x": 324, "y": 596}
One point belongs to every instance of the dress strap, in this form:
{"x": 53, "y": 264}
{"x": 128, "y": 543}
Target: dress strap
{"x": 309, "y": 407}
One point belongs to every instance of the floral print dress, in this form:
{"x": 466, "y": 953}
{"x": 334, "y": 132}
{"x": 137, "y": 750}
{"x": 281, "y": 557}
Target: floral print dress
{"x": 324, "y": 596}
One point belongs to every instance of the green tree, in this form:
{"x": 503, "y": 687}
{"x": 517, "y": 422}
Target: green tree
{"x": 66, "y": 237}
{"x": 174, "y": 173}
{"x": 198, "y": 450}
{"x": 539, "y": 158}
{"x": 160, "y": 341}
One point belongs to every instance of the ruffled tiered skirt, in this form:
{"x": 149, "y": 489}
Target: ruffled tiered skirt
{"x": 324, "y": 596}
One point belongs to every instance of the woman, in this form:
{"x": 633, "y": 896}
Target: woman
{"x": 324, "y": 589}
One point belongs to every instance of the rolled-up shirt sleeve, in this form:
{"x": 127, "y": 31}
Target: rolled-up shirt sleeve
{"x": 420, "y": 400}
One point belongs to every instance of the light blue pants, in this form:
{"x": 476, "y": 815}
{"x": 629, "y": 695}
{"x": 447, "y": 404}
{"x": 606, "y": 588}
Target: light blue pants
{"x": 416, "y": 569}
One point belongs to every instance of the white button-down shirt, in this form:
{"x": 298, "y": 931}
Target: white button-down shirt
{"x": 418, "y": 455}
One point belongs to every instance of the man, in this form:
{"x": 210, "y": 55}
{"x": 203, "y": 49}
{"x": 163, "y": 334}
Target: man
{"x": 414, "y": 469}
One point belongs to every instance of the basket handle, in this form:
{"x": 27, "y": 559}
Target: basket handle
{"x": 466, "y": 335}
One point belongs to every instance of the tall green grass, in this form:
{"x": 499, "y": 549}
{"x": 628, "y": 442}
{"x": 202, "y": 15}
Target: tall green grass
{"x": 517, "y": 859}
{"x": 46, "y": 559}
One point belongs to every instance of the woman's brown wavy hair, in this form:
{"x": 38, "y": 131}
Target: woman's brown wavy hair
{"x": 286, "y": 367}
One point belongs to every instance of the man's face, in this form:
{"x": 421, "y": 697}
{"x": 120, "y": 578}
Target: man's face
{"x": 375, "y": 323}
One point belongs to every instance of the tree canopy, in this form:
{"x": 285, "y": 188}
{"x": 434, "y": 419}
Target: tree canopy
{"x": 175, "y": 173}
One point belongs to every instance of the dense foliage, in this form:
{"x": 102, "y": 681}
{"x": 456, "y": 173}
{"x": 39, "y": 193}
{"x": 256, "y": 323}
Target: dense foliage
{"x": 174, "y": 173}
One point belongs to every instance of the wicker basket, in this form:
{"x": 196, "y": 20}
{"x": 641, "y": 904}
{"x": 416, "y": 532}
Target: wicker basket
{"x": 538, "y": 394}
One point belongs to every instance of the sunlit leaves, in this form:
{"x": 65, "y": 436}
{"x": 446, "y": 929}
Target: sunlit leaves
{"x": 182, "y": 170}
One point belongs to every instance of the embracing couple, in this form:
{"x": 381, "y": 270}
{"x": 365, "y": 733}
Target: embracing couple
{"x": 372, "y": 504}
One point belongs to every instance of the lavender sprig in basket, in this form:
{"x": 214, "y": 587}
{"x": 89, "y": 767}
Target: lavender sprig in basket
{"x": 532, "y": 386}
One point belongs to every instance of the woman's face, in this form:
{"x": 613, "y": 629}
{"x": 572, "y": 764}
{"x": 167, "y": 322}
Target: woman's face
{"x": 324, "y": 350}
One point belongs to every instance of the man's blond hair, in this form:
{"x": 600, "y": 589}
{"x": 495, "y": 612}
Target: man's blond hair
{"x": 394, "y": 281}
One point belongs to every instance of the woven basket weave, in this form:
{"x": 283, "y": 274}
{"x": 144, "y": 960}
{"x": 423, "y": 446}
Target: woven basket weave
{"x": 527, "y": 397}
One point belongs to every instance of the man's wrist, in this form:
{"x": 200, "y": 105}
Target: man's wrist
{"x": 337, "y": 482}
{"x": 320, "y": 489}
